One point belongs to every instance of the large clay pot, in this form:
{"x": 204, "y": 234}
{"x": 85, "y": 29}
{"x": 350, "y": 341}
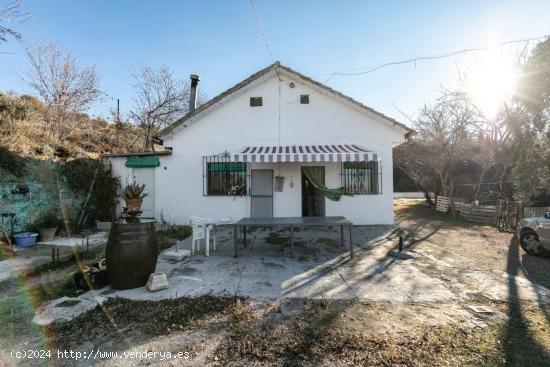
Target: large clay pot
{"x": 134, "y": 205}
{"x": 131, "y": 254}
{"x": 47, "y": 234}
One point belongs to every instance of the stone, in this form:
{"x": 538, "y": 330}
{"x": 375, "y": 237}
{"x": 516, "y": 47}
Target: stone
{"x": 157, "y": 282}
{"x": 176, "y": 255}
{"x": 64, "y": 309}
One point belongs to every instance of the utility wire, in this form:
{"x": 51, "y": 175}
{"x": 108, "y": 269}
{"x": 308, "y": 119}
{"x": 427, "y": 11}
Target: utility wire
{"x": 262, "y": 32}
{"x": 356, "y": 71}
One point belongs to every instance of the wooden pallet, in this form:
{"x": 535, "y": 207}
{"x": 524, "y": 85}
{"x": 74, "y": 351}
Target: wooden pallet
{"x": 486, "y": 214}
{"x": 442, "y": 204}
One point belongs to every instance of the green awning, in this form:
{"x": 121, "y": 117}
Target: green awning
{"x": 138, "y": 162}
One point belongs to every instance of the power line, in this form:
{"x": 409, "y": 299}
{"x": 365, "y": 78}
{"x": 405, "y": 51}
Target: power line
{"x": 355, "y": 72}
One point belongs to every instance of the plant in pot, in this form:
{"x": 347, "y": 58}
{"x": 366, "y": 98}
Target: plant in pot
{"x": 133, "y": 196}
{"x": 47, "y": 223}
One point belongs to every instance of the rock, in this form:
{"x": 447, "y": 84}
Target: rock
{"x": 176, "y": 255}
{"x": 157, "y": 282}
{"x": 64, "y": 309}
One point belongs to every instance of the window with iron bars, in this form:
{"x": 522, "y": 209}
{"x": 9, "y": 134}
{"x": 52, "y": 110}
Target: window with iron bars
{"x": 224, "y": 178}
{"x": 362, "y": 178}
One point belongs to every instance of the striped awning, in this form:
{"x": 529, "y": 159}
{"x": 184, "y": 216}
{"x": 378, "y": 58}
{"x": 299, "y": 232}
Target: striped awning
{"x": 306, "y": 153}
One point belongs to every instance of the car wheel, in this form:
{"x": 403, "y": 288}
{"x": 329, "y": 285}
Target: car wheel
{"x": 530, "y": 243}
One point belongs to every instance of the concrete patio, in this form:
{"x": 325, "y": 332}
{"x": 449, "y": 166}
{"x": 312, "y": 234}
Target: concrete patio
{"x": 29, "y": 258}
{"x": 320, "y": 269}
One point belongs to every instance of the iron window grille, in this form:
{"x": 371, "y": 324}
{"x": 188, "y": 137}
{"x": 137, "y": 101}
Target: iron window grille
{"x": 221, "y": 177}
{"x": 362, "y": 178}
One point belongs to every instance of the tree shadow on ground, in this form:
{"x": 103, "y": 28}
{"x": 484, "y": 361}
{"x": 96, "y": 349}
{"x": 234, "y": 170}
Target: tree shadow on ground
{"x": 521, "y": 347}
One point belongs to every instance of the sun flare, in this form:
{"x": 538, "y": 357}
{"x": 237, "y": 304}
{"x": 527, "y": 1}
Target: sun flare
{"x": 491, "y": 81}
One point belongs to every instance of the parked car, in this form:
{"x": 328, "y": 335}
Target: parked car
{"x": 534, "y": 235}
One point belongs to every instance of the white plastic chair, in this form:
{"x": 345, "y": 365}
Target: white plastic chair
{"x": 202, "y": 228}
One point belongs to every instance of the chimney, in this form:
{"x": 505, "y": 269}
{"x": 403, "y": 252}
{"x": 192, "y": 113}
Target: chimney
{"x": 194, "y": 92}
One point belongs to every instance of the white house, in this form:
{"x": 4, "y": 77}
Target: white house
{"x": 246, "y": 152}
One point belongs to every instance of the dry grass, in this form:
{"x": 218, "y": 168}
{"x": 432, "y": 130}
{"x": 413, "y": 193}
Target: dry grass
{"x": 23, "y": 130}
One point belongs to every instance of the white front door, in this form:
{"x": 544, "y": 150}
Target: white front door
{"x": 146, "y": 176}
{"x": 261, "y": 193}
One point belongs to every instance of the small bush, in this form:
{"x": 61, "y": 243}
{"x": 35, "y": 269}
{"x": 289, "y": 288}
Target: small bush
{"x": 12, "y": 163}
{"x": 80, "y": 173}
{"x": 168, "y": 237}
{"x": 46, "y": 219}
{"x": 177, "y": 232}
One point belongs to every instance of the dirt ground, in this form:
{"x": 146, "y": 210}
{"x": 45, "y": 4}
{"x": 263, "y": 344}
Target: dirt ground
{"x": 475, "y": 246}
{"x": 230, "y": 331}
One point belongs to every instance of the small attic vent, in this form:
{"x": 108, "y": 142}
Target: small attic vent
{"x": 304, "y": 99}
{"x": 256, "y": 101}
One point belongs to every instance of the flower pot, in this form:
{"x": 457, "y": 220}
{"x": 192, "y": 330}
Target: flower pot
{"x": 103, "y": 226}
{"x": 134, "y": 205}
{"x": 47, "y": 234}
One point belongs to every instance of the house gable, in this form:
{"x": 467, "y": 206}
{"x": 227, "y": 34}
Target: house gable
{"x": 281, "y": 72}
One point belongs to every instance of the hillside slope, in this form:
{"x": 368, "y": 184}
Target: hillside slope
{"x": 23, "y": 130}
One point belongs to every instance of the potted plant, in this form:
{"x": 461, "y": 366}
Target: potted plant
{"x": 133, "y": 196}
{"x": 46, "y": 224}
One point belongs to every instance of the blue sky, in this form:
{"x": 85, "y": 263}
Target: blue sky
{"x": 220, "y": 41}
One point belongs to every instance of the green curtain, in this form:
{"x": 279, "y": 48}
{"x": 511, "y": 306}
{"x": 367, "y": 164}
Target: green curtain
{"x": 315, "y": 176}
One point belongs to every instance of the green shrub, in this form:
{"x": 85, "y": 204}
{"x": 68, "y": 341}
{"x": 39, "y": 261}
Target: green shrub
{"x": 12, "y": 163}
{"x": 79, "y": 175}
{"x": 46, "y": 219}
{"x": 104, "y": 195}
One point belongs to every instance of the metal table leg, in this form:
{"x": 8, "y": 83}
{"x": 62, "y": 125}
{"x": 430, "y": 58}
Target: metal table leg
{"x": 235, "y": 232}
{"x": 342, "y": 236}
{"x": 351, "y": 240}
{"x": 244, "y": 236}
{"x": 291, "y": 241}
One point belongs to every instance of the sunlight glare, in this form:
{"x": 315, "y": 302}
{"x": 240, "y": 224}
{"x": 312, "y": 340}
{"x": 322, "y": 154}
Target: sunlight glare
{"x": 491, "y": 82}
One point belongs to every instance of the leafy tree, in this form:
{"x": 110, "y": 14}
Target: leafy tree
{"x": 528, "y": 119}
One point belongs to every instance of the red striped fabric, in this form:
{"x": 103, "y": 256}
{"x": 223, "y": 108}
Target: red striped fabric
{"x": 306, "y": 153}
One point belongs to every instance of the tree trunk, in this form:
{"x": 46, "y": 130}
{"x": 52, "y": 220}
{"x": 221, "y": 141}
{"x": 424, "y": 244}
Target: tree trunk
{"x": 428, "y": 198}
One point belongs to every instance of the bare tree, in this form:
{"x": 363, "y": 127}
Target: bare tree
{"x": 10, "y": 13}
{"x": 416, "y": 159}
{"x": 160, "y": 100}
{"x": 445, "y": 127}
{"x": 66, "y": 88}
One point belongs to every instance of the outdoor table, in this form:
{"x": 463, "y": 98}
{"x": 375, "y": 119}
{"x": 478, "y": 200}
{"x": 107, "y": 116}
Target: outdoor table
{"x": 292, "y": 222}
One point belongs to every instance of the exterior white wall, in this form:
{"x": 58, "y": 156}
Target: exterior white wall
{"x": 123, "y": 173}
{"x": 234, "y": 124}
